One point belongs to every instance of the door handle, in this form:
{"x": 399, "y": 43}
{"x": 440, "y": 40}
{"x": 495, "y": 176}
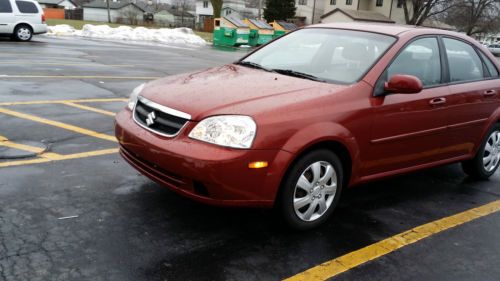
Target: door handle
{"x": 489, "y": 93}
{"x": 437, "y": 101}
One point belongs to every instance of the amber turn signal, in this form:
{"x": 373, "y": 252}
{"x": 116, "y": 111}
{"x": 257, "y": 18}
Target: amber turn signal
{"x": 258, "y": 165}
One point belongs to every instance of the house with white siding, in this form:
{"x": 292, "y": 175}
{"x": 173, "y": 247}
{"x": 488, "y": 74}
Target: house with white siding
{"x": 66, "y": 4}
{"x": 364, "y": 10}
{"x": 304, "y": 12}
{"x": 97, "y": 10}
{"x": 235, "y": 8}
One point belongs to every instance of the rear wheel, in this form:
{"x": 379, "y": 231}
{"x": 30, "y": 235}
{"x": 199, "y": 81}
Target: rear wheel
{"x": 311, "y": 189}
{"x": 487, "y": 159}
{"x": 23, "y": 33}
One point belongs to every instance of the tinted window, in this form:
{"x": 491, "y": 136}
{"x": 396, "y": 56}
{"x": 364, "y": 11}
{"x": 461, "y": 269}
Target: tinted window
{"x": 5, "y": 6}
{"x": 465, "y": 64}
{"x": 26, "y": 7}
{"x": 491, "y": 67}
{"x": 421, "y": 59}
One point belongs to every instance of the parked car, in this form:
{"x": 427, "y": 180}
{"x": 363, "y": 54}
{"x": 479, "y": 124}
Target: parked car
{"x": 494, "y": 49}
{"x": 21, "y": 19}
{"x": 328, "y": 106}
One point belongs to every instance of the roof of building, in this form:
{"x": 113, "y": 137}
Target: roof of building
{"x": 360, "y": 15}
{"x": 386, "y": 28}
{"x": 101, "y": 4}
{"x": 54, "y": 2}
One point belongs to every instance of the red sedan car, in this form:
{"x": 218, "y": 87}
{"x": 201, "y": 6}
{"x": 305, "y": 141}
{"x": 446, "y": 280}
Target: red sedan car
{"x": 328, "y": 106}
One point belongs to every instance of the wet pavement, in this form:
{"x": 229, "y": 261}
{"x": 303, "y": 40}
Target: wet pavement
{"x": 82, "y": 213}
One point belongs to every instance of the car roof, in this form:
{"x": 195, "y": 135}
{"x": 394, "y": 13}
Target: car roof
{"x": 384, "y": 28}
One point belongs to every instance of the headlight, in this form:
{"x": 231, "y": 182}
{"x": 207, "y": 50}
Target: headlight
{"x": 226, "y": 130}
{"x": 133, "y": 97}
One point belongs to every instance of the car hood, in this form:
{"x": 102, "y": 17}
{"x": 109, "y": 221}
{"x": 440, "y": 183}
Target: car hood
{"x": 232, "y": 89}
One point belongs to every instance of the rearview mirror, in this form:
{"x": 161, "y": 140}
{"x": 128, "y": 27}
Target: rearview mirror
{"x": 403, "y": 84}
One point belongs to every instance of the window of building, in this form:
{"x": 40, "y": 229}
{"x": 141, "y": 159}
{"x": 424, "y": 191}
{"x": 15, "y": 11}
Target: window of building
{"x": 348, "y": 2}
{"x": 303, "y": 2}
{"x": 400, "y": 3}
{"x": 205, "y": 4}
{"x": 421, "y": 59}
{"x": 5, "y": 6}
{"x": 26, "y": 7}
{"x": 464, "y": 62}
{"x": 380, "y": 3}
{"x": 333, "y": 2}
{"x": 228, "y": 12}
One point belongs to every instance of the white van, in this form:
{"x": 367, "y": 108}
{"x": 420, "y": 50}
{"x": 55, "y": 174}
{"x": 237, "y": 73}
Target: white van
{"x": 21, "y": 19}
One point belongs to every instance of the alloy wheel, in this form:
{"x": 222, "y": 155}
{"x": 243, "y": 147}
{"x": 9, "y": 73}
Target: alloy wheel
{"x": 315, "y": 191}
{"x": 491, "y": 154}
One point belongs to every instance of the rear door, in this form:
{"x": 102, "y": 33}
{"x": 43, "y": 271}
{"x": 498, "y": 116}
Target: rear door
{"x": 474, "y": 95}
{"x": 409, "y": 129}
{"x": 7, "y": 17}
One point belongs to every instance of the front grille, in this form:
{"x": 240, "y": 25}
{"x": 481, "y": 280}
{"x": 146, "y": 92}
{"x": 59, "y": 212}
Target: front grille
{"x": 158, "y": 118}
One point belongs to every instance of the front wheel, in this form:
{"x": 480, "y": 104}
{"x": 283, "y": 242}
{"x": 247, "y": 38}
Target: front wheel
{"x": 23, "y": 33}
{"x": 311, "y": 189}
{"x": 487, "y": 159}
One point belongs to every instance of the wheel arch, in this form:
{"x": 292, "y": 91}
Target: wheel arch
{"x": 331, "y": 136}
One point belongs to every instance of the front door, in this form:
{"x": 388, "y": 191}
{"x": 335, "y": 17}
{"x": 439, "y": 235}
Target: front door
{"x": 7, "y": 17}
{"x": 409, "y": 129}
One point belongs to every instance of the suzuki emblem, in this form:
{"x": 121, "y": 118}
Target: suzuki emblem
{"x": 151, "y": 119}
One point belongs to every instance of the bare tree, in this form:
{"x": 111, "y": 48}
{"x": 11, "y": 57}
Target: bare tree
{"x": 217, "y": 6}
{"x": 131, "y": 14}
{"x": 417, "y": 11}
{"x": 474, "y": 16}
{"x": 182, "y": 6}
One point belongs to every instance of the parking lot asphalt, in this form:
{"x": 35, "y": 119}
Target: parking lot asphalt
{"x": 77, "y": 211}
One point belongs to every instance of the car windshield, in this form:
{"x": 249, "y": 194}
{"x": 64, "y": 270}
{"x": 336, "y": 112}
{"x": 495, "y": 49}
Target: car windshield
{"x": 322, "y": 54}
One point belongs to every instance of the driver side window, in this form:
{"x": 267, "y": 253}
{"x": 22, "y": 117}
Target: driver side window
{"x": 421, "y": 59}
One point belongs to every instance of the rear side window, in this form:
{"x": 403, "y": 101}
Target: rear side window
{"x": 27, "y": 7}
{"x": 421, "y": 59}
{"x": 491, "y": 67}
{"x": 5, "y": 6}
{"x": 465, "y": 64}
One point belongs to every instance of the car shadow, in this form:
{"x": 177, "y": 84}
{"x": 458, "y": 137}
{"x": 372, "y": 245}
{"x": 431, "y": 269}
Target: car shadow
{"x": 366, "y": 214}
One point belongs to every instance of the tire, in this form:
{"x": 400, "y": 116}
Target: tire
{"x": 308, "y": 195}
{"x": 23, "y": 33}
{"x": 487, "y": 159}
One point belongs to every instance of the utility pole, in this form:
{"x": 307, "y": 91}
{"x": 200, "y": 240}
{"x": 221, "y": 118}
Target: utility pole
{"x": 314, "y": 11}
{"x": 109, "y": 11}
{"x": 260, "y": 9}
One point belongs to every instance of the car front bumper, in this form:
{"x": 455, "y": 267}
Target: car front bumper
{"x": 204, "y": 172}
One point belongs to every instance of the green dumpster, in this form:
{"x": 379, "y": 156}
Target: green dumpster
{"x": 229, "y": 31}
{"x": 282, "y": 27}
{"x": 261, "y": 31}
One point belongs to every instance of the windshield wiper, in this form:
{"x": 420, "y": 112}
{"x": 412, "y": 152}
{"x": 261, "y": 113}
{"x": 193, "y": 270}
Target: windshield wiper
{"x": 253, "y": 65}
{"x": 298, "y": 74}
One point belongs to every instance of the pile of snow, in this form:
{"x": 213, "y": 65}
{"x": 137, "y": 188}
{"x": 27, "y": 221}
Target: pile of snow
{"x": 176, "y": 36}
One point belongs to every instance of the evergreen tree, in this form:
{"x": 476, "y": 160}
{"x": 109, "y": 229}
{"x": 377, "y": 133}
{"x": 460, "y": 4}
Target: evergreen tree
{"x": 279, "y": 10}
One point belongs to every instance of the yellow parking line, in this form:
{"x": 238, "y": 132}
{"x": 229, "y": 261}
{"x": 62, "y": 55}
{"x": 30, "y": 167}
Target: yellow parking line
{"x": 7, "y": 143}
{"x": 65, "y": 64}
{"x": 93, "y": 109}
{"x": 346, "y": 262}
{"x": 57, "y": 157}
{"x": 62, "y": 101}
{"x": 80, "y": 77}
{"x": 58, "y": 124}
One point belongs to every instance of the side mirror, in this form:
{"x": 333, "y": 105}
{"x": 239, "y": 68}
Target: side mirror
{"x": 403, "y": 84}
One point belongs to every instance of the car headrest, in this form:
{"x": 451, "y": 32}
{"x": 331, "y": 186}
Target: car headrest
{"x": 356, "y": 52}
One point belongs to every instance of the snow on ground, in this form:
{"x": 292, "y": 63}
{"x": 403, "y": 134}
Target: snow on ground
{"x": 176, "y": 36}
